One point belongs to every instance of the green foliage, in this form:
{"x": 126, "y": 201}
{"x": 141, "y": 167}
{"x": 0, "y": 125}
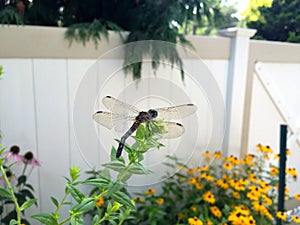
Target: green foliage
{"x": 205, "y": 17}
{"x": 280, "y": 22}
{"x": 16, "y": 190}
{"x": 84, "y": 32}
{"x": 9, "y": 15}
{"x": 108, "y": 202}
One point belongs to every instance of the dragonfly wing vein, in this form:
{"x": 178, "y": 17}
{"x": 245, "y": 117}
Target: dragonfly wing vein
{"x": 176, "y": 112}
{"x": 173, "y": 129}
{"x": 111, "y": 120}
{"x": 118, "y": 107}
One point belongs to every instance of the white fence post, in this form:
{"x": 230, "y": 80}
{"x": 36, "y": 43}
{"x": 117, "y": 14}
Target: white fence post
{"x": 236, "y": 87}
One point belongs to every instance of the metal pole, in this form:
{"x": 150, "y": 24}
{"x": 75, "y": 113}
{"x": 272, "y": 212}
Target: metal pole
{"x": 282, "y": 166}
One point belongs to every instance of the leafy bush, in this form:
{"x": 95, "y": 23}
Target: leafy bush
{"x": 108, "y": 202}
{"x": 16, "y": 194}
{"x": 228, "y": 191}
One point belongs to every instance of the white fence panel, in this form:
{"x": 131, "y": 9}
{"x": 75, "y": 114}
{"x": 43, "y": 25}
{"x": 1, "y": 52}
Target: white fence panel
{"x": 275, "y": 101}
{"x": 17, "y": 112}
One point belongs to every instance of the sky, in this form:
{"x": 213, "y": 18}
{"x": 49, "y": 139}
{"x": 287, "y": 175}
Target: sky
{"x": 241, "y": 4}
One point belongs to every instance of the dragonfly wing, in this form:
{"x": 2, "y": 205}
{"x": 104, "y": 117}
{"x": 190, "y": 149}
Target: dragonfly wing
{"x": 110, "y": 120}
{"x": 176, "y": 112}
{"x": 118, "y": 107}
{"x": 104, "y": 118}
{"x": 174, "y": 130}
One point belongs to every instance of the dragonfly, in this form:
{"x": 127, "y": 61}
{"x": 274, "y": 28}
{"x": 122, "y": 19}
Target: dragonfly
{"x": 120, "y": 112}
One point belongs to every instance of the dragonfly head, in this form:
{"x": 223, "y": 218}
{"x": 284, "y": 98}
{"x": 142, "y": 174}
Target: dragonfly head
{"x": 153, "y": 113}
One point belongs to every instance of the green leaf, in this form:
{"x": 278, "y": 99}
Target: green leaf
{"x": 115, "y": 165}
{"x": 123, "y": 199}
{"x": 27, "y": 204}
{"x": 85, "y": 205}
{"x": 98, "y": 182}
{"x": 74, "y": 173}
{"x": 113, "y": 187}
{"x": 54, "y": 201}
{"x": 45, "y": 219}
{"x": 13, "y": 222}
{"x": 76, "y": 193}
{"x": 22, "y": 180}
{"x": 5, "y": 193}
{"x": 76, "y": 220}
{"x": 138, "y": 168}
{"x": 95, "y": 219}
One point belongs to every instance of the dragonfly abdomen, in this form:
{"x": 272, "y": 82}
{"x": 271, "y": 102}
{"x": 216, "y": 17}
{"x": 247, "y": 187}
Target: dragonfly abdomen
{"x": 133, "y": 128}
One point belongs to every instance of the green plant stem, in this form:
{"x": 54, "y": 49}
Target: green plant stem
{"x": 62, "y": 202}
{"x": 11, "y": 190}
{"x": 24, "y": 169}
{"x": 122, "y": 174}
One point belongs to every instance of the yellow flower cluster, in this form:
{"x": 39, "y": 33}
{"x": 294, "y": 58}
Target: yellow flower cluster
{"x": 241, "y": 216}
{"x": 213, "y": 193}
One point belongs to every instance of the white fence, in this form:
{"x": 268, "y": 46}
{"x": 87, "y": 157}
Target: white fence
{"x": 46, "y": 85}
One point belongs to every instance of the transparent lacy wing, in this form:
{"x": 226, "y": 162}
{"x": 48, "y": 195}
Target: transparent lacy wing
{"x": 119, "y": 122}
{"x": 176, "y": 112}
{"x": 118, "y": 107}
{"x": 174, "y": 130}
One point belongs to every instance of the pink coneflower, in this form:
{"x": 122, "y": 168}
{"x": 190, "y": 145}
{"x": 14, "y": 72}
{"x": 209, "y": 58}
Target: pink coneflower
{"x": 29, "y": 159}
{"x": 13, "y": 153}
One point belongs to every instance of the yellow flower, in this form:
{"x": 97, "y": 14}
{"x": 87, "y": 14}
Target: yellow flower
{"x": 193, "y": 208}
{"x": 274, "y": 170}
{"x": 288, "y": 152}
{"x": 297, "y": 196}
{"x": 218, "y": 154}
{"x": 207, "y": 177}
{"x": 190, "y": 171}
{"x": 267, "y": 200}
{"x": 203, "y": 168}
{"x": 138, "y": 199}
{"x": 277, "y": 156}
{"x": 209, "y": 197}
{"x": 227, "y": 166}
{"x": 281, "y": 215}
{"x": 160, "y": 201}
{"x": 150, "y": 191}
{"x": 215, "y": 211}
{"x": 236, "y": 194}
{"x": 252, "y": 178}
{"x": 237, "y": 185}
{"x": 100, "y": 202}
{"x": 194, "y": 221}
{"x": 199, "y": 186}
{"x": 292, "y": 172}
{"x": 192, "y": 180}
{"x": 207, "y": 155}
{"x": 242, "y": 210}
{"x": 259, "y": 207}
{"x": 265, "y": 149}
{"x": 222, "y": 183}
{"x": 180, "y": 216}
{"x": 208, "y": 222}
{"x": 296, "y": 219}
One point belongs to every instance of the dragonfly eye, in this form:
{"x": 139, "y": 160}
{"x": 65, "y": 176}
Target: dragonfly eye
{"x": 153, "y": 113}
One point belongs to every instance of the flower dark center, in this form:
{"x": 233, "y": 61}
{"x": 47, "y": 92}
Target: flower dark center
{"x": 15, "y": 149}
{"x": 28, "y": 156}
